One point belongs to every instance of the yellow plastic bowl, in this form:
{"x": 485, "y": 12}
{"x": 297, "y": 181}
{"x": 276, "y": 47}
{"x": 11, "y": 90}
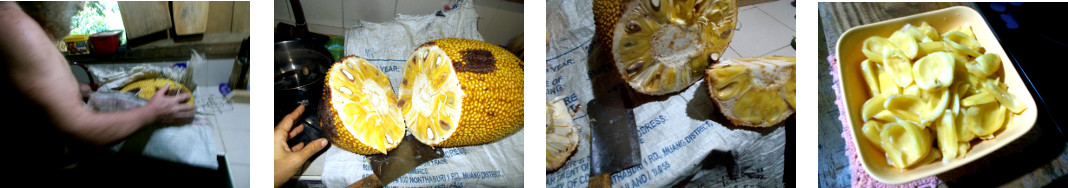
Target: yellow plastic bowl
{"x": 856, "y": 92}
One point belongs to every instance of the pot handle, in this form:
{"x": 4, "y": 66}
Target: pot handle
{"x": 298, "y": 13}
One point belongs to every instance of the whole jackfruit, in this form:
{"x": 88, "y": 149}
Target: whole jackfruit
{"x": 146, "y": 88}
{"x": 661, "y": 47}
{"x": 756, "y": 92}
{"x": 358, "y": 111}
{"x": 460, "y": 92}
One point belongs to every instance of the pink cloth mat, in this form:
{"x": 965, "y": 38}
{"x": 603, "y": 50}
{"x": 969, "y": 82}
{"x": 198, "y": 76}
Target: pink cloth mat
{"x": 860, "y": 177}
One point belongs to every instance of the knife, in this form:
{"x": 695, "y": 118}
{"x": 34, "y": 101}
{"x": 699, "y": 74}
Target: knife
{"x": 388, "y": 167}
{"x": 613, "y": 133}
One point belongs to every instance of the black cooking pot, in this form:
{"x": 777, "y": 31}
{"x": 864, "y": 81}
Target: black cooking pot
{"x": 298, "y": 77}
{"x": 301, "y": 62}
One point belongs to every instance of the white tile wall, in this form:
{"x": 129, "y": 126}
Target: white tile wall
{"x": 499, "y": 21}
{"x": 417, "y": 7}
{"x": 370, "y": 11}
{"x": 282, "y": 11}
{"x": 323, "y": 12}
{"x": 506, "y": 23}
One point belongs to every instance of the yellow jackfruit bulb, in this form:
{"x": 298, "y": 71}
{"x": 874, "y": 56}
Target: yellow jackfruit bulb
{"x": 147, "y": 88}
{"x": 358, "y": 112}
{"x": 757, "y": 92}
{"x": 661, "y": 47}
{"x": 561, "y": 135}
{"x": 905, "y": 143}
{"x": 460, "y": 92}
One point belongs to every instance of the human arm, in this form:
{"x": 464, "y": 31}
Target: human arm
{"x": 38, "y": 71}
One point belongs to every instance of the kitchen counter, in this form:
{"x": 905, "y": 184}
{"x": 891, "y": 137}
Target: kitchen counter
{"x": 231, "y": 120}
{"x": 1036, "y": 160}
{"x": 231, "y": 124}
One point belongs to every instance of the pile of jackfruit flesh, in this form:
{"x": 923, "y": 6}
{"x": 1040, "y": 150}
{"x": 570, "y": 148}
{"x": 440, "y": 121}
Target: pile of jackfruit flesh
{"x": 757, "y": 92}
{"x": 662, "y": 47}
{"x": 562, "y": 135}
{"x": 929, "y": 90}
{"x": 366, "y": 118}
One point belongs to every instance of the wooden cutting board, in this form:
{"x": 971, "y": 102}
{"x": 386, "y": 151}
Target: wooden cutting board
{"x": 144, "y": 18}
{"x": 190, "y": 17}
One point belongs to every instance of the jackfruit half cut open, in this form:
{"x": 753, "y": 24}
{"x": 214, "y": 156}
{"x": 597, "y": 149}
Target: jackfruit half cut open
{"x": 661, "y": 47}
{"x": 364, "y": 118}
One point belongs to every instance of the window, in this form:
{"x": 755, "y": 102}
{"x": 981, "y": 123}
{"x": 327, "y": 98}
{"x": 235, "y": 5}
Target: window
{"x": 97, "y": 16}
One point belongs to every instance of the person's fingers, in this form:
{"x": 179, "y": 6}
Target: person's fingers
{"x": 298, "y": 146}
{"x": 183, "y": 107}
{"x": 287, "y": 123}
{"x": 162, "y": 91}
{"x": 283, "y": 145}
{"x": 296, "y": 130}
{"x": 295, "y": 114}
{"x": 181, "y": 98}
{"x": 312, "y": 148}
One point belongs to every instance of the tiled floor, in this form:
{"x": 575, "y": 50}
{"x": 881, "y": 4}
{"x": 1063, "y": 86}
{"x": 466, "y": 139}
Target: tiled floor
{"x": 764, "y": 29}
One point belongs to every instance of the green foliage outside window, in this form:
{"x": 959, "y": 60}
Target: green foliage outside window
{"x": 97, "y": 16}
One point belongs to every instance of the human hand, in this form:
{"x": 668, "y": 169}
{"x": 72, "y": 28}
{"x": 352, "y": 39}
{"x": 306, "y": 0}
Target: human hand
{"x": 287, "y": 160}
{"x": 171, "y": 109}
{"x": 85, "y": 90}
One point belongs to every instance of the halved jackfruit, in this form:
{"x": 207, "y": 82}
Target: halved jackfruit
{"x": 661, "y": 46}
{"x": 757, "y": 92}
{"x": 147, "y": 88}
{"x": 561, "y": 135}
{"x": 460, "y": 92}
{"x": 358, "y": 110}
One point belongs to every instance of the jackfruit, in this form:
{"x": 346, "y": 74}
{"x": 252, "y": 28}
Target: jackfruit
{"x": 460, "y": 92}
{"x": 953, "y": 88}
{"x": 757, "y": 92}
{"x": 660, "y": 47}
{"x": 561, "y": 135}
{"x": 934, "y": 71}
{"x": 905, "y": 143}
{"x": 147, "y": 88}
{"x": 358, "y": 111}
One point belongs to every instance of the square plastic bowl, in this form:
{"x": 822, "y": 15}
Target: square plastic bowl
{"x": 856, "y": 92}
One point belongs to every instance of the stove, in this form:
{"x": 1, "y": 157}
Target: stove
{"x": 1036, "y": 41}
